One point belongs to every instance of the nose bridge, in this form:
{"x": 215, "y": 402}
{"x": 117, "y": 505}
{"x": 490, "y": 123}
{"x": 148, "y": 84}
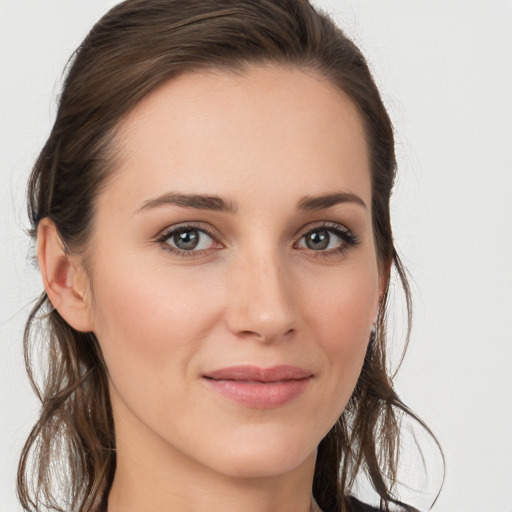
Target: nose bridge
{"x": 261, "y": 303}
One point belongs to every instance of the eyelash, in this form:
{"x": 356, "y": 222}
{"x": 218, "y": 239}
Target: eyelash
{"x": 348, "y": 239}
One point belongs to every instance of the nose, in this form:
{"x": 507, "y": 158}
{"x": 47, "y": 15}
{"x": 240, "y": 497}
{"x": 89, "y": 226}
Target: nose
{"x": 260, "y": 300}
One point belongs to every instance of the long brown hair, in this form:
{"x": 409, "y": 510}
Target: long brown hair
{"x": 132, "y": 49}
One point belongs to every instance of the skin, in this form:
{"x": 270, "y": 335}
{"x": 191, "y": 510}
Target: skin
{"x": 255, "y": 293}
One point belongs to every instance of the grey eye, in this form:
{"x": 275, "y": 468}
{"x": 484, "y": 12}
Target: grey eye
{"x": 190, "y": 240}
{"x": 321, "y": 240}
{"x": 318, "y": 240}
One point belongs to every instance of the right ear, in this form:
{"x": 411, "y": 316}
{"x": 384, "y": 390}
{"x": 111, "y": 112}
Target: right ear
{"x": 63, "y": 277}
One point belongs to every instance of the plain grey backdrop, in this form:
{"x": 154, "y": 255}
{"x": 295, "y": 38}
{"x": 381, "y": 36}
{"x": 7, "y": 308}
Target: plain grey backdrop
{"x": 444, "y": 70}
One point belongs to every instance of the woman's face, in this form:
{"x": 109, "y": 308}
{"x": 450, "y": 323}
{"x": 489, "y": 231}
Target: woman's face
{"x": 234, "y": 271}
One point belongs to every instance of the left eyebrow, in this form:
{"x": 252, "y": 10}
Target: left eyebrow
{"x": 322, "y": 202}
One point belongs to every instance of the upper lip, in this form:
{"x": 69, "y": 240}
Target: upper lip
{"x": 250, "y": 373}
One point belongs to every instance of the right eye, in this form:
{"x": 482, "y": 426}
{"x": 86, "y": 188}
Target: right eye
{"x": 188, "y": 240}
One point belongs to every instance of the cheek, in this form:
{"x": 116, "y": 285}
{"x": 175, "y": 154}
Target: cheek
{"x": 344, "y": 307}
{"x": 150, "y": 326}
{"x": 149, "y": 321}
{"x": 341, "y": 315}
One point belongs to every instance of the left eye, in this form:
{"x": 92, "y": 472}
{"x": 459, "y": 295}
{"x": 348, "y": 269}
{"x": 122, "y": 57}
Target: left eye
{"x": 187, "y": 239}
{"x": 321, "y": 240}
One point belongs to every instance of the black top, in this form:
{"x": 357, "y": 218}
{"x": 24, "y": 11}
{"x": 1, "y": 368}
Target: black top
{"x": 359, "y": 506}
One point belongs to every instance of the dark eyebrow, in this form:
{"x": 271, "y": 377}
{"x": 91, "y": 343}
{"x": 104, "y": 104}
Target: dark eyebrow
{"x": 216, "y": 203}
{"x": 327, "y": 200}
{"x": 198, "y": 201}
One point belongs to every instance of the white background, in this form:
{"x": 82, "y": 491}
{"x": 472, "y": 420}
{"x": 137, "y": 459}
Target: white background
{"x": 444, "y": 69}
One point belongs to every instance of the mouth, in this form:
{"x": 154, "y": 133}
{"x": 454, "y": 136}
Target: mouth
{"x": 259, "y": 388}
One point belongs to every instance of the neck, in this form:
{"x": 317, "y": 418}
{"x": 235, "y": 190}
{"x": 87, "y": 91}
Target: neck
{"x": 142, "y": 488}
{"x": 152, "y": 476}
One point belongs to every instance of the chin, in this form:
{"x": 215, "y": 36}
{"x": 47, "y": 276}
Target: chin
{"x": 265, "y": 456}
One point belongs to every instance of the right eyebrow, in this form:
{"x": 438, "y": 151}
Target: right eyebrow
{"x": 197, "y": 201}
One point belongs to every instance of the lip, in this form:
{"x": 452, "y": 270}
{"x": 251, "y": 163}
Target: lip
{"x": 259, "y": 388}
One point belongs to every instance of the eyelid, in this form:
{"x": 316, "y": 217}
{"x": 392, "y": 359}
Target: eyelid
{"x": 323, "y": 224}
{"x": 183, "y": 226}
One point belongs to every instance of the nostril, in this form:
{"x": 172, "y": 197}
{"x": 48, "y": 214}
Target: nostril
{"x": 265, "y": 336}
{"x": 248, "y": 334}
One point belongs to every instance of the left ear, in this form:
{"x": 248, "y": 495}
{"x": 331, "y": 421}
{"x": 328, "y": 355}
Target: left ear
{"x": 63, "y": 277}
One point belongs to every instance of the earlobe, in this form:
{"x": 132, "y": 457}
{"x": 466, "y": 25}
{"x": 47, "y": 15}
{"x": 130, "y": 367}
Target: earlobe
{"x": 63, "y": 279}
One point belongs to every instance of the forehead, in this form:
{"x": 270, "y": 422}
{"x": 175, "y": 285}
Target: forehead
{"x": 224, "y": 132}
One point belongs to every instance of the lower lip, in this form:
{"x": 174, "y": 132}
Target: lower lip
{"x": 259, "y": 395}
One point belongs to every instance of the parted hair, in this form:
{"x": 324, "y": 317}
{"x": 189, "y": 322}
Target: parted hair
{"x": 69, "y": 459}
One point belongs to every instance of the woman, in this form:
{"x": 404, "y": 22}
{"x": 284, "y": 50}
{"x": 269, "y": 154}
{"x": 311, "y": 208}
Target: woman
{"x": 212, "y": 221}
